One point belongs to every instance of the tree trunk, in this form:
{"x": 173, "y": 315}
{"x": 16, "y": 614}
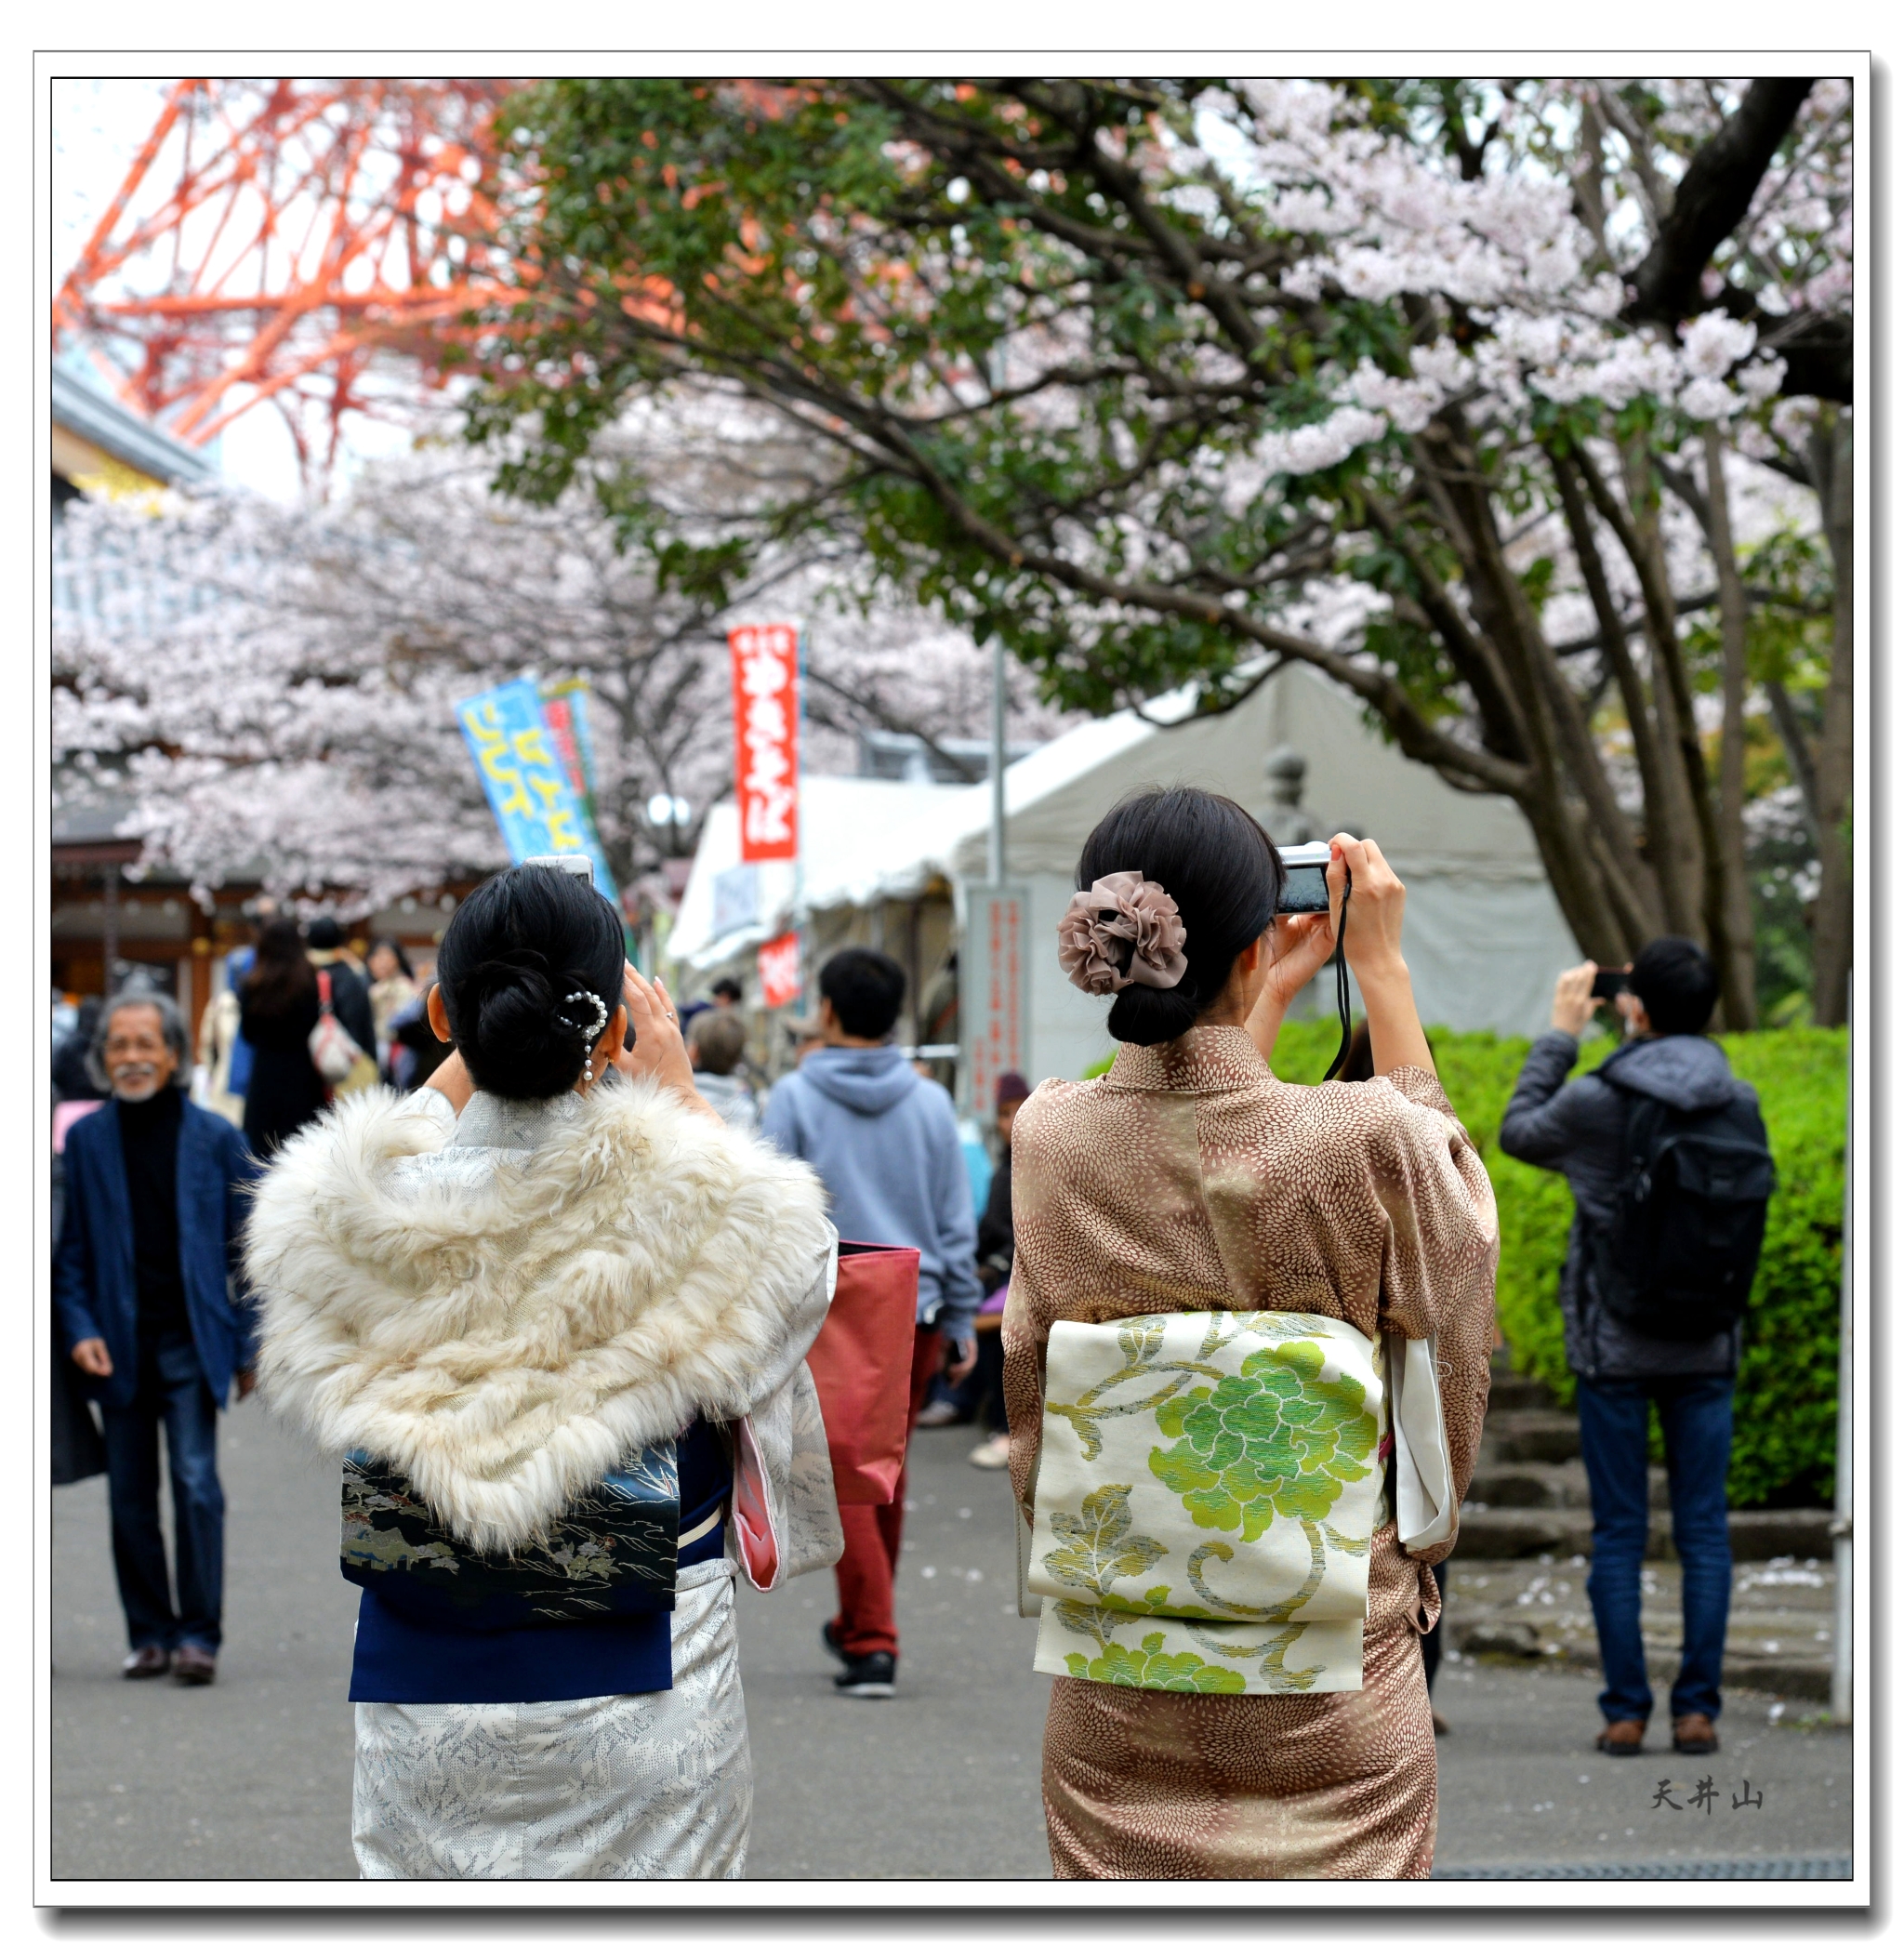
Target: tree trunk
{"x": 1671, "y": 831}
{"x": 1832, "y": 930}
{"x": 1527, "y": 707}
{"x": 1798, "y": 753}
{"x": 1699, "y": 848}
{"x": 1741, "y": 993}
{"x": 1626, "y": 674}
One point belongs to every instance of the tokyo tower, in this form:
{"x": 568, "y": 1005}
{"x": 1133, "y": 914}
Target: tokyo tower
{"x": 318, "y": 244}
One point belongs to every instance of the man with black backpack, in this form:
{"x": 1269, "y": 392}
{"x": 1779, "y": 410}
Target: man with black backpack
{"x": 1665, "y": 1152}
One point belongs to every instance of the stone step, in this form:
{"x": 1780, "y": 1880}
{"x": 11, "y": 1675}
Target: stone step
{"x": 1547, "y": 1485}
{"x": 1779, "y": 1634}
{"x": 1782, "y": 1535}
{"x": 1533, "y": 1435}
{"x": 1511, "y": 1532}
{"x": 1511, "y": 1392}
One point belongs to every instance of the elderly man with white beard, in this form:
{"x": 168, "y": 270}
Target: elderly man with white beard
{"x": 149, "y": 1290}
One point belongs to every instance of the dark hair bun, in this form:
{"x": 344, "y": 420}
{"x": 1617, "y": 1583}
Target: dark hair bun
{"x": 1148, "y": 1015}
{"x": 1222, "y": 872}
{"x": 518, "y": 946}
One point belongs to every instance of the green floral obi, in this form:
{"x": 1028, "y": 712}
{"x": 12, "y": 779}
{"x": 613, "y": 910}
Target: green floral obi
{"x": 1207, "y": 1486}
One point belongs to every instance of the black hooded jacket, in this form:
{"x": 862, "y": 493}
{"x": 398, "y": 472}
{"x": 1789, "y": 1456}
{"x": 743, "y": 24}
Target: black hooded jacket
{"x": 1579, "y": 1128}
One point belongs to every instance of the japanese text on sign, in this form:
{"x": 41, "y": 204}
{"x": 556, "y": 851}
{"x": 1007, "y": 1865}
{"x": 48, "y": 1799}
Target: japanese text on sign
{"x": 564, "y": 708}
{"x": 779, "y": 966}
{"x": 529, "y": 789}
{"x": 994, "y": 1008}
{"x": 766, "y": 739}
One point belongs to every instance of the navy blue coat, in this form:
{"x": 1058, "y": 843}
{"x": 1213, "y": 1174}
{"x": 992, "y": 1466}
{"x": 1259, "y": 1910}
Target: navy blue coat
{"x": 94, "y": 1294}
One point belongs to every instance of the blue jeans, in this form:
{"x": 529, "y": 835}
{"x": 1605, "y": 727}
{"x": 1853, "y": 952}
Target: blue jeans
{"x": 1695, "y": 1417}
{"x": 171, "y": 1390}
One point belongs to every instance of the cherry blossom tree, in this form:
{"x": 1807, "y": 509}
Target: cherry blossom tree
{"x": 274, "y": 688}
{"x": 1468, "y": 394}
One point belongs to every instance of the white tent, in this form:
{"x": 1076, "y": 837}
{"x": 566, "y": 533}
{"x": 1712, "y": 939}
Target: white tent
{"x": 862, "y": 839}
{"x": 1484, "y": 938}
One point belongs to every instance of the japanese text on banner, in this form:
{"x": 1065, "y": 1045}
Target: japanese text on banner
{"x": 565, "y": 708}
{"x": 535, "y": 807}
{"x": 766, "y": 739}
{"x": 779, "y": 965}
{"x": 994, "y": 1001}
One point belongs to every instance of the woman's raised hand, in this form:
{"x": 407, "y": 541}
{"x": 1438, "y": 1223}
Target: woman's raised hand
{"x": 659, "y": 1053}
{"x": 1376, "y": 900}
{"x": 1303, "y": 943}
{"x": 1300, "y": 946}
{"x": 1373, "y": 944}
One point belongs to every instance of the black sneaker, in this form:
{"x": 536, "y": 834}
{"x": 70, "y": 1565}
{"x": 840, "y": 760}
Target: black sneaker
{"x": 868, "y": 1677}
{"x": 829, "y": 1637}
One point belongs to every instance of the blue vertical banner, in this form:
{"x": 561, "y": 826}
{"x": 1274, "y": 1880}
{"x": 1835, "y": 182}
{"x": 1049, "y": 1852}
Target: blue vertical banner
{"x": 536, "y": 805}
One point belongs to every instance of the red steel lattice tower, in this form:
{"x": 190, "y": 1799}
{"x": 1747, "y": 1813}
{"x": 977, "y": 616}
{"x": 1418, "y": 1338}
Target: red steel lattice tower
{"x": 297, "y": 241}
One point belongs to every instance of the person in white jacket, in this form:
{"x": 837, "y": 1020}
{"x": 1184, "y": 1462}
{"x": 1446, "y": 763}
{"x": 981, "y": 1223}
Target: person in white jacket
{"x": 549, "y": 1268}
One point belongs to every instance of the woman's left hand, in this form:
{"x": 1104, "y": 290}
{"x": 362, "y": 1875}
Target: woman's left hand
{"x": 1300, "y": 946}
{"x": 659, "y": 1053}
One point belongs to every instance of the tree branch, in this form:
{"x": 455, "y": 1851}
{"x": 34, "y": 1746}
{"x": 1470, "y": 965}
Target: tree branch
{"x": 1713, "y": 194}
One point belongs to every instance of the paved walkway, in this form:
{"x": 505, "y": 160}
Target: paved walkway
{"x": 252, "y": 1776}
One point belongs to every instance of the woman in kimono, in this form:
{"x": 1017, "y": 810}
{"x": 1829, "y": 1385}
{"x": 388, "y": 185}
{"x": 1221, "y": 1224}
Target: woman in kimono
{"x": 543, "y": 1266}
{"x": 1191, "y": 1179}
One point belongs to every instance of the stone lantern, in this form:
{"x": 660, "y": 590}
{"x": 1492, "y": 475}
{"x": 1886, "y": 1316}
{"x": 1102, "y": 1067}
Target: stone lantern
{"x": 1285, "y": 818}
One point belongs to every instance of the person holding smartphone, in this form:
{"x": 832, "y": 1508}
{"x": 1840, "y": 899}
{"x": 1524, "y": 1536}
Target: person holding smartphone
{"x": 1666, "y": 1073}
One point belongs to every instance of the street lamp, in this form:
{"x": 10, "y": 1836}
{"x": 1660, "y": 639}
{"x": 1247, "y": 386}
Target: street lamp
{"x": 670, "y": 812}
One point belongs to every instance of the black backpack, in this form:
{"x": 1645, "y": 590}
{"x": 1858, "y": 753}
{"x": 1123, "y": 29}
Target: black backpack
{"x": 1689, "y": 1217}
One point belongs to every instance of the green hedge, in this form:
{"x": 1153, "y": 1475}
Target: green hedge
{"x": 1786, "y": 1414}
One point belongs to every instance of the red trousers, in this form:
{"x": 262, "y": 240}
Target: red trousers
{"x": 874, "y": 1531}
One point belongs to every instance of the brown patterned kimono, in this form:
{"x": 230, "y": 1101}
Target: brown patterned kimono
{"x": 1189, "y": 1179}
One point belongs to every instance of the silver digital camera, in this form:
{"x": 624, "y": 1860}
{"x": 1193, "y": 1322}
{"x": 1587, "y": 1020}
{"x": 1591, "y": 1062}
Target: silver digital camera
{"x": 1305, "y": 879}
{"x": 571, "y": 865}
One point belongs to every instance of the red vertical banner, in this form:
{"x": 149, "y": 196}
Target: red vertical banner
{"x": 766, "y": 739}
{"x": 992, "y": 978}
{"x": 778, "y": 961}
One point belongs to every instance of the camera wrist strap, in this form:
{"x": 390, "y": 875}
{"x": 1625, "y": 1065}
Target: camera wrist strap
{"x": 1342, "y": 978}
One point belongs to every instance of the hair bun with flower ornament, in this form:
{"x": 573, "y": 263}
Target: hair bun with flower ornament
{"x": 1124, "y": 930}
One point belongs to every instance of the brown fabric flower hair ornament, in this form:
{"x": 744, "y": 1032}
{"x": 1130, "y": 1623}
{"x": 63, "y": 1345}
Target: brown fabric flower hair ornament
{"x": 1122, "y": 931}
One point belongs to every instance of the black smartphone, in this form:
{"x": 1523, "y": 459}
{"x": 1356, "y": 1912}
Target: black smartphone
{"x": 1609, "y": 983}
{"x": 1306, "y": 879}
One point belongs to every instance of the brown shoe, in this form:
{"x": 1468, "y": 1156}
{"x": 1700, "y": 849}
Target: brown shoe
{"x": 1622, "y": 1736}
{"x": 1692, "y": 1734}
{"x": 194, "y": 1665}
{"x": 1439, "y": 1718}
{"x": 148, "y": 1663}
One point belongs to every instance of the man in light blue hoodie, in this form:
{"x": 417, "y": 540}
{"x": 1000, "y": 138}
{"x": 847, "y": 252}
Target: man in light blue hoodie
{"x": 885, "y": 1143}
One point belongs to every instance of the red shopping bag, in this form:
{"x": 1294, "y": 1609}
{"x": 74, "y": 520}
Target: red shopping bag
{"x": 862, "y": 1365}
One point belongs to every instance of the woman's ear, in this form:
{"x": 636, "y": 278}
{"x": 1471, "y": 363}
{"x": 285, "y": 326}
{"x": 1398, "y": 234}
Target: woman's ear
{"x": 437, "y": 1014}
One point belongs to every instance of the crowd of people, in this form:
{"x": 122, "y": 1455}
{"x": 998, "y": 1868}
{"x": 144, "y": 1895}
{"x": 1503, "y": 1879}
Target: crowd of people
{"x": 562, "y": 1460}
